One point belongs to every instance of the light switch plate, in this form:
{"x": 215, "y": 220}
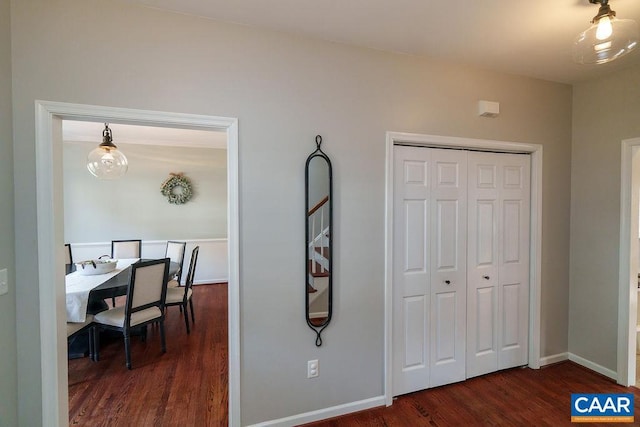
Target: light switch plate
{"x": 4, "y": 282}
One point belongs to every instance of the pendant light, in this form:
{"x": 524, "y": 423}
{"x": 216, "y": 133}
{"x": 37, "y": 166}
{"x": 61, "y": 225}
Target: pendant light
{"x": 607, "y": 39}
{"x": 106, "y": 161}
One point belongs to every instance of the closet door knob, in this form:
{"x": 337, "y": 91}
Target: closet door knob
{"x": 448, "y": 282}
{"x": 486, "y": 277}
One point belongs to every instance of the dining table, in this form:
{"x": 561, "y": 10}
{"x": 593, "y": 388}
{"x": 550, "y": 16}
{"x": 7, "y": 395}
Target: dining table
{"x": 86, "y": 294}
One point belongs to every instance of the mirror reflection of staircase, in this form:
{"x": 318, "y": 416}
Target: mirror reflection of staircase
{"x": 318, "y": 267}
{"x": 318, "y": 281}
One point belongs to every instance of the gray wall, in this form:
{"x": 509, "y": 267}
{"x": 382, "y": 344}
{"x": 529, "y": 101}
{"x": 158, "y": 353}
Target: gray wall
{"x": 133, "y": 207}
{"x": 8, "y": 363}
{"x": 605, "y": 111}
{"x": 284, "y": 90}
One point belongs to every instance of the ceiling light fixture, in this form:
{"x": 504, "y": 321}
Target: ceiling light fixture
{"x": 607, "y": 39}
{"x": 106, "y": 161}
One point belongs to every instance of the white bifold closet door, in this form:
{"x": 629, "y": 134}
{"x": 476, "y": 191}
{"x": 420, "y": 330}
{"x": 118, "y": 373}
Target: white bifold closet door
{"x": 498, "y": 262}
{"x": 460, "y": 282}
{"x": 429, "y": 290}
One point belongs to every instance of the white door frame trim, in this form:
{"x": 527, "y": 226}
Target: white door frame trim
{"x": 627, "y": 281}
{"x": 53, "y": 350}
{"x": 535, "y": 257}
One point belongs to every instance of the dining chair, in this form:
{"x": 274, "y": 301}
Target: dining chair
{"x": 68, "y": 259}
{"x": 146, "y": 295}
{"x": 68, "y": 256}
{"x": 184, "y": 296}
{"x": 125, "y": 249}
{"x": 175, "y": 251}
{"x": 74, "y": 329}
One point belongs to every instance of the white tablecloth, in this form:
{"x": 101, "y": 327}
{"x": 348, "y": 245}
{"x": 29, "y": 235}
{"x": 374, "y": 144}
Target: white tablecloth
{"x": 79, "y": 286}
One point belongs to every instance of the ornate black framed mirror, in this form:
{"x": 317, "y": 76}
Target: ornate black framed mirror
{"x": 319, "y": 249}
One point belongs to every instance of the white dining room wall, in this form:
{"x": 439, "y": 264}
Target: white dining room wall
{"x": 132, "y": 207}
{"x": 284, "y": 89}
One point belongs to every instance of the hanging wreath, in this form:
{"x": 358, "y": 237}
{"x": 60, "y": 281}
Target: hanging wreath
{"x": 177, "y": 189}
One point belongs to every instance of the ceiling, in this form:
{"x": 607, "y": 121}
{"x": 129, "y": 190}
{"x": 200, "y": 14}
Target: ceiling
{"x": 91, "y": 132}
{"x": 525, "y": 37}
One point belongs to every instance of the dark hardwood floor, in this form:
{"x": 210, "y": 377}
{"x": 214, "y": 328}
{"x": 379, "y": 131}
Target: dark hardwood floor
{"x": 186, "y": 386}
{"x": 515, "y": 397}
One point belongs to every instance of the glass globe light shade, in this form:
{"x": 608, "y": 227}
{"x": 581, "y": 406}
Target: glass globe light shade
{"x": 607, "y": 39}
{"x": 106, "y": 161}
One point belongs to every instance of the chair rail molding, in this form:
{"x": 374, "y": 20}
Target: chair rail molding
{"x": 212, "y": 265}
{"x": 50, "y": 220}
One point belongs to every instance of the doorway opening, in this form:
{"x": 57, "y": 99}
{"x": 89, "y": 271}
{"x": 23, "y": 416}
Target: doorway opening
{"x": 629, "y": 262}
{"x": 97, "y": 211}
{"x": 50, "y": 220}
{"x": 535, "y": 244}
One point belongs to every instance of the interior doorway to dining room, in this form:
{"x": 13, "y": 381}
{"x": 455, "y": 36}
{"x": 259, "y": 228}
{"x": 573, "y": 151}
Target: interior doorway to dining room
{"x": 51, "y": 212}
{"x": 97, "y": 211}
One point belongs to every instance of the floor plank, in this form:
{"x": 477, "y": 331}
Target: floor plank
{"x": 185, "y": 386}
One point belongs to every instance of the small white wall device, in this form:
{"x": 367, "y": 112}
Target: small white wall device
{"x": 488, "y": 109}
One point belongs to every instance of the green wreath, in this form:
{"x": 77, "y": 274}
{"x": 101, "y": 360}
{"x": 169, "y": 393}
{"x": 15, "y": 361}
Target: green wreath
{"x": 177, "y": 189}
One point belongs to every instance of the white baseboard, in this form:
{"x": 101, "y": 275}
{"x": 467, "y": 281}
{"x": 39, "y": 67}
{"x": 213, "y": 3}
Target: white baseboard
{"x": 555, "y": 358}
{"x": 323, "y": 414}
{"x": 593, "y": 366}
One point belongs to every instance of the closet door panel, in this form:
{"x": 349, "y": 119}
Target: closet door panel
{"x": 445, "y": 327}
{"x": 447, "y": 245}
{"x": 411, "y": 269}
{"x": 484, "y": 327}
{"x": 510, "y": 313}
{"x": 448, "y": 227}
{"x": 514, "y": 181}
{"x": 512, "y": 229}
{"x": 501, "y": 181}
{"x": 414, "y": 310}
{"x": 482, "y": 265}
{"x": 415, "y": 245}
{"x": 485, "y": 233}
